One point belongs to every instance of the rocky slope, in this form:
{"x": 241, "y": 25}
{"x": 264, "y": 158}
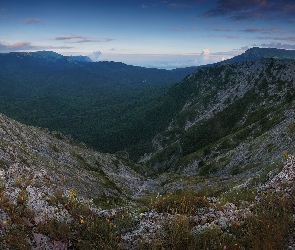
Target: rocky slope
{"x": 50, "y": 182}
{"x": 234, "y": 117}
{"x": 26, "y": 151}
{"x": 54, "y": 192}
{"x": 222, "y": 216}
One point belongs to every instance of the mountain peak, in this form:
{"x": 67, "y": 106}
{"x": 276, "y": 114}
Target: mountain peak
{"x": 253, "y": 52}
{"x": 48, "y": 54}
{"x": 260, "y": 53}
{"x": 257, "y": 52}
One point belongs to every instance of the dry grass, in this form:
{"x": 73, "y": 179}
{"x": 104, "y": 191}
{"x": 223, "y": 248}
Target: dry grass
{"x": 268, "y": 227}
{"x": 184, "y": 202}
{"x": 87, "y": 230}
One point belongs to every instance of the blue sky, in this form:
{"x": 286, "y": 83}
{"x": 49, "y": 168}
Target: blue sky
{"x": 150, "y": 33}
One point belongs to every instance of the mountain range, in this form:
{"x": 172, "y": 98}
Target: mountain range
{"x": 192, "y": 158}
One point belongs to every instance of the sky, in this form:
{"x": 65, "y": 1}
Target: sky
{"x": 148, "y": 33}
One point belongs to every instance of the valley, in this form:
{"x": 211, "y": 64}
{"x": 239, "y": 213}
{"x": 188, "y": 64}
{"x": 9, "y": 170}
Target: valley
{"x": 110, "y": 156}
{"x": 101, "y": 103}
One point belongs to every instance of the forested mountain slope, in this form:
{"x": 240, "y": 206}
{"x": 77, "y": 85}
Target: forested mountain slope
{"x": 231, "y": 117}
{"x": 100, "y": 103}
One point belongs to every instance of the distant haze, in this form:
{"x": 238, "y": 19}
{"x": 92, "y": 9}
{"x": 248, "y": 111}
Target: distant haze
{"x": 154, "y": 33}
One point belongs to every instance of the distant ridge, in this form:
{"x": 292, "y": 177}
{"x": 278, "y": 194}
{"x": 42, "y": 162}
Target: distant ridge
{"x": 81, "y": 58}
{"x": 259, "y": 53}
{"x": 51, "y": 56}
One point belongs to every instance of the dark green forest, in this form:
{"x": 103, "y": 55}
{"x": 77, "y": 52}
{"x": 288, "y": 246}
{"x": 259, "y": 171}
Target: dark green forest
{"x": 103, "y": 104}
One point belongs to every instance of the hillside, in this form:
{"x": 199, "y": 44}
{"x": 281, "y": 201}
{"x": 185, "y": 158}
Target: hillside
{"x": 100, "y": 103}
{"x": 57, "y": 194}
{"x": 229, "y": 118}
{"x": 26, "y": 150}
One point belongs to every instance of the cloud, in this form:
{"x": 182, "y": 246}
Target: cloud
{"x": 67, "y": 37}
{"x": 177, "y": 5}
{"x": 82, "y": 39}
{"x": 232, "y": 37}
{"x": 205, "y": 52}
{"x": 219, "y": 29}
{"x": 278, "y": 46}
{"x": 253, "y": 9}
{"x": 145, "y": 6}
{"x": 208, "y": 57}
{"x": 16, "y": 45}
{"x": 204, "y": 57}
{"x": 33, "y": 21}
{"x": 278, "y": 38}
{"x": 3, "y": 14}
{"x": 223, "y": 36}
{"x": 25, "y": 46}
{"x": 177, "y": 28}
{"x": 263, "y": 30}
{"x": 95, "y": 56}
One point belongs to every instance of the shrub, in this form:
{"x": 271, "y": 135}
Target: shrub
{"x": 181, "y": 202}
{"x": 267, "y": 227}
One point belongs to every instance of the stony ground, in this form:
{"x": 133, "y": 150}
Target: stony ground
{"x": 42, "y": 175}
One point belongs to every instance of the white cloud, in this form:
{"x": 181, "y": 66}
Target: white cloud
{"x": 206, "y": 52}
{"x": 95, "y": 56}
{"x": 205, "y": 57}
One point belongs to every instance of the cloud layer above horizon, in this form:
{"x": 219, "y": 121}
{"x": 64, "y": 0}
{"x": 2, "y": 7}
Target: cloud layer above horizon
{"x": 150, "y": 33}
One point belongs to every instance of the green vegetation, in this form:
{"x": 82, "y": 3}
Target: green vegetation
{"x": 226, "y": 122}
{"x": 104, "y": 104}
{"x": 115, "y": 107}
